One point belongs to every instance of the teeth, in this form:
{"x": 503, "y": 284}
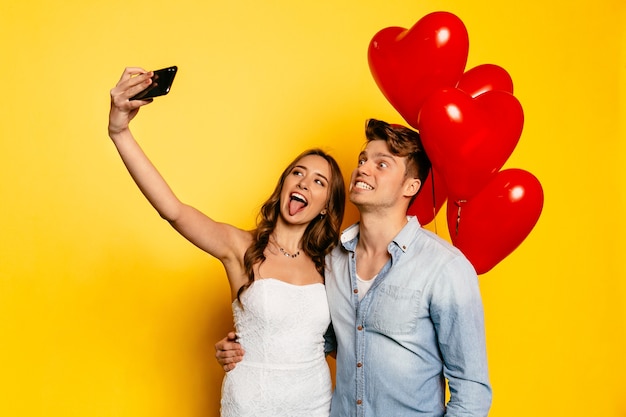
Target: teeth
{"x": 299, "y": 197}
{"x": 362, "y": 185}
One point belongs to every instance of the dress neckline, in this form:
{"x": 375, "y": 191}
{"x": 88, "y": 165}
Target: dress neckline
{"x": 287, "y": 283}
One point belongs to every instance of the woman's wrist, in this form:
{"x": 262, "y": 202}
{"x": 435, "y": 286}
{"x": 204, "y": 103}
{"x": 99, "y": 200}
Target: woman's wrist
{"x": 118, "y": 133}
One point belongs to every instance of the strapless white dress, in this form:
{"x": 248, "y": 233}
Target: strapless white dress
{"x": 284, "y": 371}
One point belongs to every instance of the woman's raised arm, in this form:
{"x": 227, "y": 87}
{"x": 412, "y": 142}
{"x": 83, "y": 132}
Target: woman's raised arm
{"x": 220, "y": 240}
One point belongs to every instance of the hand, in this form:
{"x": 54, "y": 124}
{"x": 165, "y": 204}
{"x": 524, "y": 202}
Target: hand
{"x": 229, "y": 352}
{"x": 123, "y": 110}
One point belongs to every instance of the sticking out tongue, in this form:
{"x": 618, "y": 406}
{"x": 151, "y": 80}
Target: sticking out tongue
{"x": 295, "y": 206}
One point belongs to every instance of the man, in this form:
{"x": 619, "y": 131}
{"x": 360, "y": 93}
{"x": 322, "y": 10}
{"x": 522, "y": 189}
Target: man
{"x": 405, "y": 304}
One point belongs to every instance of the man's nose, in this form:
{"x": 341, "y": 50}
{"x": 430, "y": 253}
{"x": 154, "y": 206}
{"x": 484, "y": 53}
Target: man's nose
{"x": 363, "y": 169}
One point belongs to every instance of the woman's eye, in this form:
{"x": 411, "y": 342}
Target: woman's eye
{"x": 319, "y": 182}
{"x": 383, "y": 165}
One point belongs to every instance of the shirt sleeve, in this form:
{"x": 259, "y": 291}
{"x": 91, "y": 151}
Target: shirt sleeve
{"x": 330, "y": 341}
{"x": 457, "y": 314}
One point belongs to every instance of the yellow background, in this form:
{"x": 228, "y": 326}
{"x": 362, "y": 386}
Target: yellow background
{"x": 106, "y": 311}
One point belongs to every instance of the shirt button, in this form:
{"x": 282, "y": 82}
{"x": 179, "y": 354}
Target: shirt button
{"x": 359, "y": 365}
{"x": 359, "y": 402}
{"x": 359, "y": 328}
{"x": 356, "y": 291}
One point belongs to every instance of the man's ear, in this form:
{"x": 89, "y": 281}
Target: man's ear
{"x": 412, "y": 186}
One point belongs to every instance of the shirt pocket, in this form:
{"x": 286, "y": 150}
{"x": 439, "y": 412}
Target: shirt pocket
{"x": 395, "y": 309}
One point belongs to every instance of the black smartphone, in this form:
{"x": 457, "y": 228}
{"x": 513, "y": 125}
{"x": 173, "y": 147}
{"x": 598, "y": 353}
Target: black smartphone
{"x": 161, "y": 83}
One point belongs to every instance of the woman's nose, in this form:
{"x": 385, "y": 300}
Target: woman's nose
{"x": 303, "y": 183}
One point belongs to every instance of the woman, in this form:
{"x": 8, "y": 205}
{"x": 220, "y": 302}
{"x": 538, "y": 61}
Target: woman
{"x": 276, "y": 272}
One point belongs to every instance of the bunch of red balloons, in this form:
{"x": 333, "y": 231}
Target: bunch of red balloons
{"x": 470, "y": 123}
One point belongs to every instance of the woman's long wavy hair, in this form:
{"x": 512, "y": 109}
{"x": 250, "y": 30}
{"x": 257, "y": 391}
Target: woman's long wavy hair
{"x": 320, "y": 236}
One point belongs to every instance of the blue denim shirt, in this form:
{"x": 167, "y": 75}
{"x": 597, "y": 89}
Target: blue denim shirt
{"x": 420, "y": 323}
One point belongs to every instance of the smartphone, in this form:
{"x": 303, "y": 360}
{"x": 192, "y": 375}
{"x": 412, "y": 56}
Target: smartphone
{"x": 161, "y": 83}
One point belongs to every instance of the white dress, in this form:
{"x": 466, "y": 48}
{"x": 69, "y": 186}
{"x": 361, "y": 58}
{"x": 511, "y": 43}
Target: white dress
{"x": 284, "y": 371}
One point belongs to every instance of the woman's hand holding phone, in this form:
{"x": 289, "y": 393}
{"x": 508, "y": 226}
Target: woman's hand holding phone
{"x": 137, "y": 87}
{"x": 123, "y": 110}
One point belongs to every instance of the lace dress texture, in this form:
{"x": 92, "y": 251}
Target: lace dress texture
{"x": 284, "y": 371}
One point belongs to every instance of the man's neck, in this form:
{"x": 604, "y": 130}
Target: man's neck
{"x": 377, "y": 230}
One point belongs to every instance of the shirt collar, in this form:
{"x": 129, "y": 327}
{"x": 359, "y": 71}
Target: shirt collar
{"x": 350, "y": 236}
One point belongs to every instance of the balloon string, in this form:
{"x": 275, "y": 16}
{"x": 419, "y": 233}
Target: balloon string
{"x": 458, "y": 215}
{"x": 432, "y": 174}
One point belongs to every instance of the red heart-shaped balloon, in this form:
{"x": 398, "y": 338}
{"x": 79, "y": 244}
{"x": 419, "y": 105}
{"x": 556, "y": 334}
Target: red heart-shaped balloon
{"x": 496, "y": 221}
{"x": 409, "y": 64}
{"x": 483, "y": 78}
{"x": 469, "y": 139}
{"x": 431, "y": 197}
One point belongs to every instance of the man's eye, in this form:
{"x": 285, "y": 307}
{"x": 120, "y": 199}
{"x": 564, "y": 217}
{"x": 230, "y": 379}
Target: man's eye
{"x": 383, "y": 165}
